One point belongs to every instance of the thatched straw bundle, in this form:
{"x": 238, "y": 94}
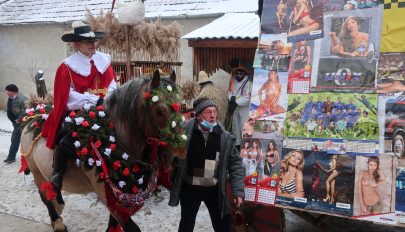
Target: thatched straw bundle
{"x": 154, "y": 39}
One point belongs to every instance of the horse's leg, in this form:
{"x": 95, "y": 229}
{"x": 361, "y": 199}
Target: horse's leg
{"x": 129, "y": 226}
{"x": 57, "y": 222}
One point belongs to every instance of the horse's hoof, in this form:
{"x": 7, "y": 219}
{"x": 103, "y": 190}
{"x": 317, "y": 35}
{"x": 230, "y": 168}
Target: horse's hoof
{"x": 58, "y": 226}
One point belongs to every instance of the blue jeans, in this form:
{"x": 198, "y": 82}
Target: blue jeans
{"x": 15, "y": 142}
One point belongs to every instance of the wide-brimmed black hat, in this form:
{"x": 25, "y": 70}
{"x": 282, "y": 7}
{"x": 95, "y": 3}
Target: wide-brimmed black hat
{"x": 82, "y": 31}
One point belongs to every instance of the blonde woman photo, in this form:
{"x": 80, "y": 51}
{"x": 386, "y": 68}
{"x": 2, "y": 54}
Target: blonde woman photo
{"x": 291, "y": 176}
{"x": 301, "y": 16}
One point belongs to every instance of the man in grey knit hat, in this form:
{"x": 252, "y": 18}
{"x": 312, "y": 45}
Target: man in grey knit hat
{"x": 202, "y": 176}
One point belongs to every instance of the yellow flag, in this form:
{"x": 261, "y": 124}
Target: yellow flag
{"x": 393, "y": 26}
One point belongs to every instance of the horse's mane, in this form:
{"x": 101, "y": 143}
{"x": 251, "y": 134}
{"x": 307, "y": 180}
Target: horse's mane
{"x": 122, "y": 108}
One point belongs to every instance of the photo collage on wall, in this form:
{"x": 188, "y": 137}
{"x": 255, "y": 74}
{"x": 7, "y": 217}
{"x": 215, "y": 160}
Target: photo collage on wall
{"x": 340, "y": 145}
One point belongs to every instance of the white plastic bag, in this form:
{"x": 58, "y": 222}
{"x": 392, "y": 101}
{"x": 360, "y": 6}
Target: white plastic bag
{"x": 131, "y": 12}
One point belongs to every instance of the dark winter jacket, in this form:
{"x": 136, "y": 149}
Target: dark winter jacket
{"x": 229, "y": 163}
{"x": 16, "y": 107}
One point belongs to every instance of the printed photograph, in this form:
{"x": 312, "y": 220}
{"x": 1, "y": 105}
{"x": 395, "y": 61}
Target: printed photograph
{"x": 345, "y": 75}
{"x": 373, "y": 185}
{"x": 400, "y": 188}
{"x": 391, "y": 67}
{"x": 352, "y": 34}
{"x": 263, "y": 129}
{"x": 331, "y": 115}
{"x": 394, "y": 121}
{"x": 274, "y": 44}
{"x": 295, "y": 177}
{"x": 338, "y": 5}
{"x": 261, "y": 156}
{"x": 269, "y": 95}
{"x": 332, "y": 188}
{"x": 299, "y": 73}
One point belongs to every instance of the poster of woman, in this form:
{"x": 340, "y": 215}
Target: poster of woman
{"x": 333, "y": 183}
{"x": 269, "y": 95}
{"x": 373, "y": 185}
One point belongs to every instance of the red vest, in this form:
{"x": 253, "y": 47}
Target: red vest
{"x": 65, "y": 77}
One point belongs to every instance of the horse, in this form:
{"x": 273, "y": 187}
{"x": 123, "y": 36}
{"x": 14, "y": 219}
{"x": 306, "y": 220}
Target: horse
{"x": 138, "y": 122}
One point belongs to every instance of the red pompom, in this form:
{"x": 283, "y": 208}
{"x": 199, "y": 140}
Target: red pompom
{"x": 100, "y": 108}
{"x": 135, "y": 189}
{"x": 147, "y": 96}
{"x": 113, "y": 146}
{"x": 98, "y": 143}
{"x": 125, "y": 172}
{"x": 84, "y": 151}
{"x": 72, "y": 114}
{"x": 176, "y": 107}
{"x": 85, "y": 123}
{"x": 92, "y": 115}
{"x": 74, "y": 134}
{"x": 117, "y": 165}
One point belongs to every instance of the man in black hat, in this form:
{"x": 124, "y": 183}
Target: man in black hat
{"x": 15, "y": 108}
{"x": 211, "y": 156}
{"x": 84, "y": 78}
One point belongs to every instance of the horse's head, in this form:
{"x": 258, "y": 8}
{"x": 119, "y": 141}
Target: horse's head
{"x": 146, "y": 112}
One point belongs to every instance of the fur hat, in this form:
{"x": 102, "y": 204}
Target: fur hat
{"x": 203, "y": 78}
{"x": 82, "y": 32}
{"x": 200, "y": 104}
{"x": 12, "y": 88}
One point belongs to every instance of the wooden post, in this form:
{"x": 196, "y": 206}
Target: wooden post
{"x": 128, "y": 54}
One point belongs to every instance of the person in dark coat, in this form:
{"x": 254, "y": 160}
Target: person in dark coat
{"x": 202, "y": 177}
{"x": 15, "y": 109}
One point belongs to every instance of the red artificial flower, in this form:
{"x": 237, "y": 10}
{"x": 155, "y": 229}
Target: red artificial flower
{"x": 135, "y": 189}
{"x": 100, "y": 108}
{"x": 101, "y": 175}
{"x": 85, "y": 123}
{"x": 110, "y": 125}
{"x": 36, "y": 124}
{"x": 42, "y": 111}
{"x": 163, "y": 143}
{"x": 117, "y": 165}
{"x": 78, "y": 153}
{"x": 113, "y": 146}
{"x": 136, "y": 168}
{"x": 175, "y": 107}
{"x": 74, "y": 134}
{"x": 125, "y": 172}
{"x": 72, "y": 114}
{"x": 98, "y": 143}
{"x": 92, "y": 115}
{"x": 147, "y": 96}
{"x": 84, "y": 151}
{"x": 31, "y": 113}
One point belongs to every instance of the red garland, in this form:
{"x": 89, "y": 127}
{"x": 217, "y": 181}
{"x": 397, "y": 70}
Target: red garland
{"x": 24, "y": 164}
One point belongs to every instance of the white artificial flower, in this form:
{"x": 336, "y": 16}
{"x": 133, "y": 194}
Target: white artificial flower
{"x": 155, "y": 98}
{"x": 184, "y": 137}
{"x": 183, "y": 118}
{"x": 77, "y": 144}
{"x": 111, "y": 139}
{"x": 174, "y": 124}
{"x": 29, "y": 110}
{"x": 45, "y": 116}
{"x": 98, "y": 163}
{"x": 87, "y": 106}
{"x": 90, "y": 161}
{"x": 79, "y": 120}
{"x": 77, "y": 162}
{"x": 95, "y": 127}
{"x": 101, "y": 114}
{"x": 125, "y": 156}
{"x": 140, "y": 181}
{"x": 121, "y": 183}
{"x": 38, "y": 107}
{"x": 68, "y": 119}
{"x": 170, "y": 88}
{"x": 107, "y": 151}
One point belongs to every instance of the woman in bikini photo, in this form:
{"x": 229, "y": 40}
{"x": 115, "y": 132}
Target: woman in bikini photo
{"x": 301, "y": 16}
{"x": 272, "y": 157}
{"x": 281, "y": 13}
{"x": 350, "y": 42}
{"x": 369, "y": 196}
{"x": 291, "y": 176}
{"x": 331, "y": 181}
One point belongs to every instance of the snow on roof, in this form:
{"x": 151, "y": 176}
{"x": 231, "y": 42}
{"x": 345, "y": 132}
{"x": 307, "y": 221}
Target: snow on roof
{"x": 229, "y": 26}
{"x": 60, "y": 11}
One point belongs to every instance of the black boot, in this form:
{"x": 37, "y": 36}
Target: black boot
{"x": 59, "y": 168}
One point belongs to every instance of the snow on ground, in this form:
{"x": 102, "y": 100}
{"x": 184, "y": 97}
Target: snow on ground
{"x": 83, "y": 213}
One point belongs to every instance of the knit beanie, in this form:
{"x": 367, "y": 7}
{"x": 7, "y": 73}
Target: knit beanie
{"x": 200, "y": 104}
{"x": 12, "y": 88}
